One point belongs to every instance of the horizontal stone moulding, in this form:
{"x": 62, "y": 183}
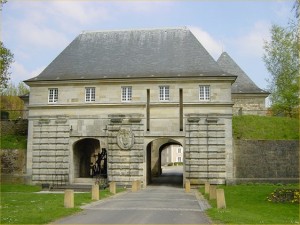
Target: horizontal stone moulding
{"x": 37, "y": 165}
{"x": 50, "y": 134}
{"x": 204, "y": 162}
{"x": 210, "y": 156}
{"x": 50, "y": 159}
{"x": 204, "y": 175}
{"x": 206, "y": 168}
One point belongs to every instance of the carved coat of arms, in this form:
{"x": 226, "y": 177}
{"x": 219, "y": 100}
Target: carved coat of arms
{"x": 125, "y": 138}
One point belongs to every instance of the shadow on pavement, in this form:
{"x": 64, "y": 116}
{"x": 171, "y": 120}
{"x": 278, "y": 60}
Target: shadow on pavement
{"x": 171, "y": 176}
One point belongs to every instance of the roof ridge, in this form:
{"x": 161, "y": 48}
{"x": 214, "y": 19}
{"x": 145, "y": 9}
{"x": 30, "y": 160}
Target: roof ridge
{"x": 243, "y": 83}
{"x": 138, "y": 29}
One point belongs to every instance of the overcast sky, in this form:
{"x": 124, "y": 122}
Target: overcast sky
{"x": 37, "y": 31}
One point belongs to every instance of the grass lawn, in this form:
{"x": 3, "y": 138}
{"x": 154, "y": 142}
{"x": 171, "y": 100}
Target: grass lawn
{"x": 21, "y": 204}
{"x": 13, "y": 142}
{"x": 248, "y": 204}
{"x": 265, "y": 128}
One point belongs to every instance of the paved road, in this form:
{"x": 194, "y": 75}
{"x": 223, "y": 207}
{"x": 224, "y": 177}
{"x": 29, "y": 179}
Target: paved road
{"x": 165, "y": 202}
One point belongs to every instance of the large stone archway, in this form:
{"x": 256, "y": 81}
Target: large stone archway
{"x": 153, "y": 159}
{"x": 84, "y": 151}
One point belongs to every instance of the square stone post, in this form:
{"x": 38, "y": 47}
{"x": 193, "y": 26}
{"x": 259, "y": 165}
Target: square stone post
{"x": 221, "y": 203}
{"x": 95, "y": 192}
{"x": 187, "y": 186}
{"x": 212, "y": 192}
{"x": 112, "y": 187}
{"x": 69, "y": 199}
{"x": 134, "y": 187}
{"x": 207, "y": 184}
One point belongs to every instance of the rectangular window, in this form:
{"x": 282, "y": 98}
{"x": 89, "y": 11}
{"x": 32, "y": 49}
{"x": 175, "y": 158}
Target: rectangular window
{"x": 89, "y": 94}
{"x": 204, "y": 93}
{"x": 53, "y": 95}
{"x": 164, "y": 93}
{"x": 126, "y": 94}
{"x": 179, "y": 159}
{"x": 179, "y": 150}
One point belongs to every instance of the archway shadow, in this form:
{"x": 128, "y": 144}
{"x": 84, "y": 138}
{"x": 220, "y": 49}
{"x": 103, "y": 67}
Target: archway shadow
{"x": 171, "y": 176}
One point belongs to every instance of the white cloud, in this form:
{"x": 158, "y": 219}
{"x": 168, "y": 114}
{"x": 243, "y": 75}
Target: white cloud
{"x": 252, "y": 42}
{"x": 144, "y": 6}
{"x": 20, "y": 73}
{"x": 79, "y": 12}
{"x": 213, "y": 46}
{"x": 40, "y": 36}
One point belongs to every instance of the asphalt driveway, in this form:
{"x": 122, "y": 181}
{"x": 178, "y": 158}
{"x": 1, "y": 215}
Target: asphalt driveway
{"x": 152, "y": 205}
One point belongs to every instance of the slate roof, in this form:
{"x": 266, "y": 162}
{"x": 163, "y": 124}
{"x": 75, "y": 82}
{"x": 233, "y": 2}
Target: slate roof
{"x": 132, "y": 53}
{"x": 243, "y": 83}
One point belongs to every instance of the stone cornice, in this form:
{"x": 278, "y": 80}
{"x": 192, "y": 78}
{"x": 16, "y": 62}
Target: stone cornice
{"x": 130, "y": 105}
{"x": 175, "y": 79}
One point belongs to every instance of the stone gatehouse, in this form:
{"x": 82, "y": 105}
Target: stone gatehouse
{"x": 122, "y": 96}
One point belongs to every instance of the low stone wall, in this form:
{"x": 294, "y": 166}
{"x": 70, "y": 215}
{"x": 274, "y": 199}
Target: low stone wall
{"x": 18, "y": 127}
{"x": 275, "y": 161}
{"x": 13, "y": 165}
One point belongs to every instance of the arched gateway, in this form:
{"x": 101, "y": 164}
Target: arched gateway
{"x": 130, "y": 93}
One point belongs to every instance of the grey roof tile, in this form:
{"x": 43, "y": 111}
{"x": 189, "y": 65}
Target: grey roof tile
{"x": 135, "y": 53}
{"x": 243, "y": 83}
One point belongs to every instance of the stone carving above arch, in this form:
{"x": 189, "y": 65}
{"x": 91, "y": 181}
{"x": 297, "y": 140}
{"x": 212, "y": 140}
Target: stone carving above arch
{"x": 125, "y": 138}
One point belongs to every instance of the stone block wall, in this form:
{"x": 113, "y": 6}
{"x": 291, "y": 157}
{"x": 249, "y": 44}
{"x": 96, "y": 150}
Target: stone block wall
{"x": 249, "y": 104}
{"x": 50, "y": 150}
{"x": 266, "y": 160}
{"x": 125, "y": 163}
{"x": 205, "y": 150}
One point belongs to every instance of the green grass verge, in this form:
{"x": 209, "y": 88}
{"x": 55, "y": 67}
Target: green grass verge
{"x": 265, "y": 128}
{"x": 248, "y": 204}
{"x": 21, "y": 204}
{"x": 13, "y": 142}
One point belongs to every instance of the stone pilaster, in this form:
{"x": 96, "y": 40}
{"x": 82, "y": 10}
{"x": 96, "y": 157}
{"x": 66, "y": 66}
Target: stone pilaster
{"x": 125, "y": 148}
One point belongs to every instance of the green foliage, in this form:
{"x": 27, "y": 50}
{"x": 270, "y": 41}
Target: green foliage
{"x": 27, "y": 207}
{"x": 282, "y": 61}
{"x": 13, "y": 142}
{"x": 265, "y": 128}
{"x": 15, "y": 90}
{"x": 247, "y": 204}
{"x": 284, "y": 195}
{"x": 6, "y": 59}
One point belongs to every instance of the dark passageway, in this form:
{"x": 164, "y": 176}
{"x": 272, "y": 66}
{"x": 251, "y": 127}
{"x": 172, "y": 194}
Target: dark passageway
{"x": 171, "y": 176}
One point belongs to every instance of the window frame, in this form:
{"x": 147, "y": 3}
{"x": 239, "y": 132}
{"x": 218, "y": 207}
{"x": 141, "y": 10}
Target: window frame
{"x": 126, "y": 93}
{"x": 164, "y": 93}
{"x": 204, "y": 93}
{"x": 52, "y": 95}
{"x": 90, "y": 94}
{"x": 179, "y": 150}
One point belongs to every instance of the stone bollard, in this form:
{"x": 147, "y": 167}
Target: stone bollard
{"x": 207, "y": 184}
{"x": 187, "y": 186}
{"x": 134, "y": 187}
{"x": 221, "y": 203}
{"x": 112, "y": 187}
{"x": 212, "y": 192}
{"x": 69, "y": 199}
{"x": 95, "y": 192}
{"x": 139, "y": 185}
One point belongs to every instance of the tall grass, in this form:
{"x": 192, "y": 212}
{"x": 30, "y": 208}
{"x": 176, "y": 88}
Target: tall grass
{"x": 265, "y": 128}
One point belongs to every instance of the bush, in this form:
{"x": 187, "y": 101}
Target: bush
{"x": 284, "y": 195}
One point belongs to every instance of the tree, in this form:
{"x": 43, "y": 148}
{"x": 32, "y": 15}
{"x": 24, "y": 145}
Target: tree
{"x": 282, "y": 61}
{"x": 6, "y": 59}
